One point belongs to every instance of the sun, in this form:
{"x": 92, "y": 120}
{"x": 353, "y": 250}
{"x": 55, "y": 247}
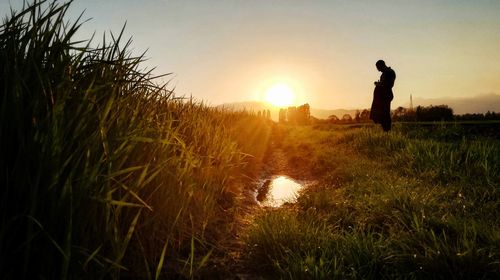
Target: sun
{"x": 280, "y": 95}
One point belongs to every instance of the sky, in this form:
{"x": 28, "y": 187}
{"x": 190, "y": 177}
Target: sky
{"x": 224, "y": 51}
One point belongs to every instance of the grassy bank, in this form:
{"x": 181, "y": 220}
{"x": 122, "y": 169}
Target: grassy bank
{"x": 104, "y": 172}
{"x": 397, "y": 205}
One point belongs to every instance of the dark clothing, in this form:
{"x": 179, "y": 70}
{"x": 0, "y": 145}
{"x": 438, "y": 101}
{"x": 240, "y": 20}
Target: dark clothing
{"x": 382, "y": 97}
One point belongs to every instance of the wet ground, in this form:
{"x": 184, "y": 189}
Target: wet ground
{"x": 280, "y": 183}
{"x": 279, "y": 190}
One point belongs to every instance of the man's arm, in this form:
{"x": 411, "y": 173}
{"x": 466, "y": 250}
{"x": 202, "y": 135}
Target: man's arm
{"x": 387, "y": 79}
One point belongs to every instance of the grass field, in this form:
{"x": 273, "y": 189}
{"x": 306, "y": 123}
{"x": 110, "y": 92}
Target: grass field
{"x": 408, "y": 204}
{"x": 106, "y": 174}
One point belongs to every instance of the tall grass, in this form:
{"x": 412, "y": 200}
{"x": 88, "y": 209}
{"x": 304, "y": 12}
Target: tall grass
{"x": 104, "y": 172}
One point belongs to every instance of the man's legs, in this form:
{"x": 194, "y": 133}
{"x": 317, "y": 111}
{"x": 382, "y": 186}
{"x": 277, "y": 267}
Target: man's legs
{"x": 386, "y": 125}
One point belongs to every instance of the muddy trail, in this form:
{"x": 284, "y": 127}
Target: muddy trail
{"x": 276, "y": 166}
{"x": 234, "y": 265}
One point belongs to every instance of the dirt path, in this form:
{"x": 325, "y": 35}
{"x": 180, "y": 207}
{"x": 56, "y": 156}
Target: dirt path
{"x": 275, "y": 164}
{"x": 234, "y": 260}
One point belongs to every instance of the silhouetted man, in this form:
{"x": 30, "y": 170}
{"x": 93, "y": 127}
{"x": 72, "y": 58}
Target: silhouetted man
{"x": 382, "y": 96}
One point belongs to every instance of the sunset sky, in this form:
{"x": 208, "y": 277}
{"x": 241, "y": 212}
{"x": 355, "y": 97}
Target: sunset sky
{"x": 235, "y": 50}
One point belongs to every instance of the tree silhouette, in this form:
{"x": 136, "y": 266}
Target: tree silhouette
{"x": 434, "y": 113}
{"x": 347, "y": 118}
{"x": 333, "y": 118}
{"x": 357, "y": 116}
{"x": 365, "y": 115}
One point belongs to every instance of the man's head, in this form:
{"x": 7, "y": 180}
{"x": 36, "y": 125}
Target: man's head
{"x": 380, "y": 65}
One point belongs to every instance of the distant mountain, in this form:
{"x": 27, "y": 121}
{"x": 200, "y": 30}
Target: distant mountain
{"x": 462, "y": 105}
{"x": 256, "y": 106}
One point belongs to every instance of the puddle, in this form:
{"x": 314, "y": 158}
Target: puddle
{"x": 278, "y": 191}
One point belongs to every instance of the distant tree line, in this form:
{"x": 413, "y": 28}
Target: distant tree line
{"x": 488, "y": 116}
{"x": 359, "y": 116}
{"x": 421, "y": 113}
{"x": 264, "y": 114}
{"x": 438, "y": 113}
{"x": 295, "y": 115}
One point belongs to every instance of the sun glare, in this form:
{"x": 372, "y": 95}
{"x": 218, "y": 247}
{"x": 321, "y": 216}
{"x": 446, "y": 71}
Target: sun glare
{"x": 280, "y": 95}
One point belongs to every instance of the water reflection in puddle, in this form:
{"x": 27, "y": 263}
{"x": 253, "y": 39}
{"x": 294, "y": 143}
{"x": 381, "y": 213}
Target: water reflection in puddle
{"x": 279, "y": 190}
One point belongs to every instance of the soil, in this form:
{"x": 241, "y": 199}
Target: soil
{"x": 231, "y": 264}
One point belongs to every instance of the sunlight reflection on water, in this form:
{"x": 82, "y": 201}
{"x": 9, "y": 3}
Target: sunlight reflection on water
{"x": 282, "y": 190}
